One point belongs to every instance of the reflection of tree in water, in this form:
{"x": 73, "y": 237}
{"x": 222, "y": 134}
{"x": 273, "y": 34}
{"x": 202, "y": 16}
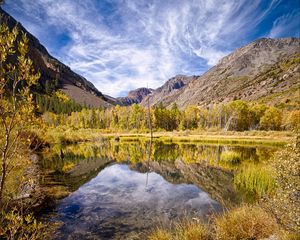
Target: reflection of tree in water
{"x": 165, "y": 152}
{"x": 141, "y": 151}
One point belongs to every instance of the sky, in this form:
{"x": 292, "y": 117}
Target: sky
{"x": 120, "y": 45}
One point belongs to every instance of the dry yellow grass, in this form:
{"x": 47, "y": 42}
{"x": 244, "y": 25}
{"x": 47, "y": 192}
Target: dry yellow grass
{"x": 247, "y": 222}
{"x": 189, "y": 230}
{"x": 160, "y": 234}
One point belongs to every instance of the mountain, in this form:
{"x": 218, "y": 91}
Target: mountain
{"x": 134, "y": 96}
{"x": 55, "y": 74}
{"x": 266, "y": 70}
{"x": 169, "y": 92}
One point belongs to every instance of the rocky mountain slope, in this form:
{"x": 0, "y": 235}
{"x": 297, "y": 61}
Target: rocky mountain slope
{"x": 266, "y": 70}
{"x": 57, "y": 74}
{"x": 169, "y": 92}
{"x": 134, "y": 96}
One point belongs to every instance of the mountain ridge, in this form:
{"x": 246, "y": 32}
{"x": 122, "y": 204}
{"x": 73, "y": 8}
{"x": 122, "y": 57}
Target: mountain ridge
{"x": 252, "y": 72}
{"x": 255, "y": 72}
{"x": 134, "y": 96}
{"x": 57, "y": 74}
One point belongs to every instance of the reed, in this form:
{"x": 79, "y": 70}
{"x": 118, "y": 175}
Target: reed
{"x": 230, "y": 158}
{"x": 255, "y": 180}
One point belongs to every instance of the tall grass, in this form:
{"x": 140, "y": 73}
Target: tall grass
{"x": 188, "y": 230}
{"x": 230, "y": 157}
{"x": 160, "y": 234}
{"x": 255, "y": 180}
{"x": 245, "y": 222}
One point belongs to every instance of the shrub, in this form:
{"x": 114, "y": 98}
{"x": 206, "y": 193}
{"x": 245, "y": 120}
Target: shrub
{"x": 246, "y": 222}
{"x": 13, "y": 225}
{"x": 293, "y": 120}
{"x": 271, "y": 120}
{"x": 284, "y": 203}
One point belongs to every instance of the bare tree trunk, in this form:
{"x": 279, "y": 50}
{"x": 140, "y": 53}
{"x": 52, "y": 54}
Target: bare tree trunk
{"x": 227, "y": 125}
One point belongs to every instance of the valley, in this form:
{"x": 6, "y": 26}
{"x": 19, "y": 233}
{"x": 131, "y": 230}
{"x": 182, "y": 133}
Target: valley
{"x": 206, "y": 156}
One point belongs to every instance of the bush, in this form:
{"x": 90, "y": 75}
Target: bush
{"x": 271, "y": 120}
{"x": 284, "y": 203}
{"x": 13, "y": 225}
{"x": 247, "y": 222}
{"x": 293, "y": 121}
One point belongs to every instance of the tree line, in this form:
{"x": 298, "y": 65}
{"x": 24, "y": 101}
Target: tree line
{"x": 237, "y": 115}
{"x": 54, "y": 103}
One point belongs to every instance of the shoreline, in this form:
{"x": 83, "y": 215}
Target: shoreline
{"x": 67, "y": 136}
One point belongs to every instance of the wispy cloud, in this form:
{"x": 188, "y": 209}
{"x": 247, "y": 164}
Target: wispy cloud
{"x": 121, "y": 45}
{"x": 283, "y": 25}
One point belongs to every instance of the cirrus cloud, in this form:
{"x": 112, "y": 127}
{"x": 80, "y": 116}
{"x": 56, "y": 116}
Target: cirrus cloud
{"x": 122, "y": 45}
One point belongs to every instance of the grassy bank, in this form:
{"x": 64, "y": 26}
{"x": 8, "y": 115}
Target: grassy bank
{"x": 246, "y": 222}
{"x": 69, "y": 135}
{"x": 274, "y": 216}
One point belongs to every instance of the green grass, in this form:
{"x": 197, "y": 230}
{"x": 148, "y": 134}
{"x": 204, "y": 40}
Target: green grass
{"x": 255, "y": 180}
{"x": 230, "y": 157}
{"x": 65, "y": 135}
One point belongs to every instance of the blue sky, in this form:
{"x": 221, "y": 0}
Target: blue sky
{"x": 120, "y": 45}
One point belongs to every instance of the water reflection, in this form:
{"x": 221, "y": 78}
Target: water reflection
{"x": 205, "y": 165}
{"x": 117, "y": 203}
{"x": 136, "y": 152}
{"x": 114, "y": 194}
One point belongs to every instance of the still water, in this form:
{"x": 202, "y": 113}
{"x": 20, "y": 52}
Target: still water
{"x": 116, "y": 192}
{"x": 120, "y": 201}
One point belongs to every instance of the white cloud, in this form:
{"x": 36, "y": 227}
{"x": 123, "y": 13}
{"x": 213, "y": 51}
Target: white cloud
{"x": 135, "y": 43}
{"x": 284, "y": 24}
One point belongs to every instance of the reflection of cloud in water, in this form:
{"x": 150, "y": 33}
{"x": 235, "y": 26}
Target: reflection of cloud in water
{"x": 119, "y": 197}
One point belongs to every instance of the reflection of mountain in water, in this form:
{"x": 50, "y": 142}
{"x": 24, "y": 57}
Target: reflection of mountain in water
{"x": 117, "y": 203}
{"x": 177, "y": 163}
{"x": 216, "y": 182}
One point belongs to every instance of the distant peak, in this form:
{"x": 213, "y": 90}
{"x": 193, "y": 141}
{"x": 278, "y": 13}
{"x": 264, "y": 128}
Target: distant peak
{"x": 260, "y": 44}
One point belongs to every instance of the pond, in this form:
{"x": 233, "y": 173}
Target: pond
{"x": 121, "y": 190}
